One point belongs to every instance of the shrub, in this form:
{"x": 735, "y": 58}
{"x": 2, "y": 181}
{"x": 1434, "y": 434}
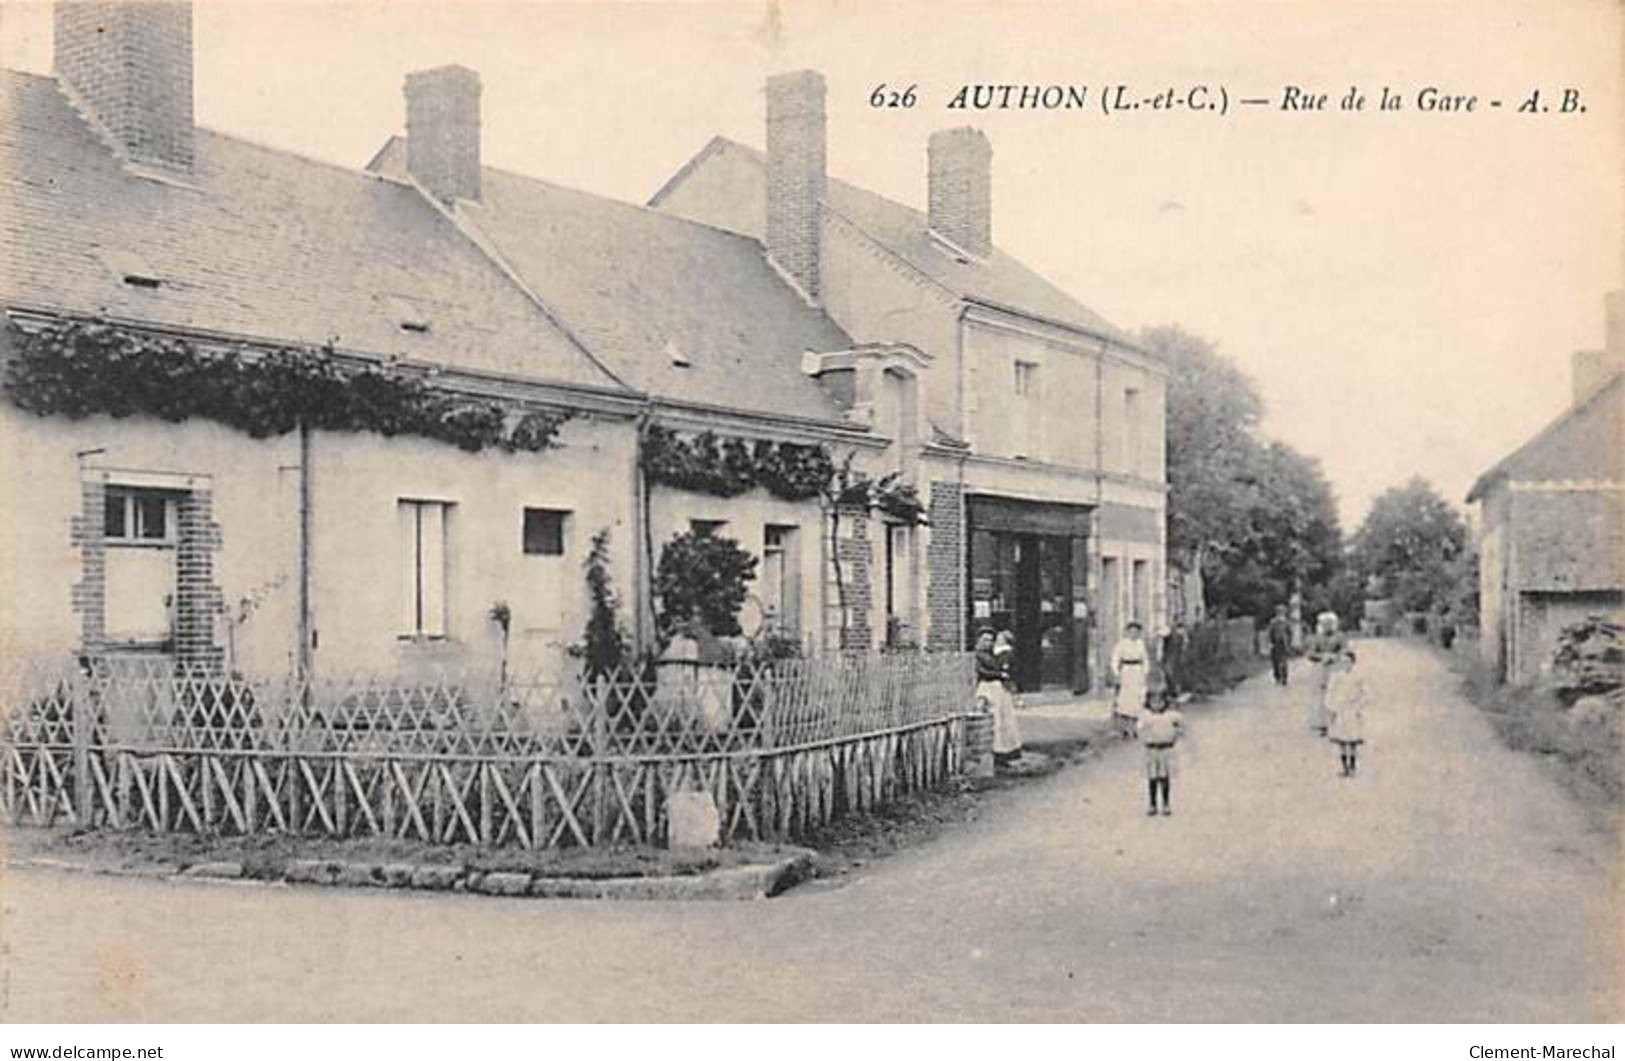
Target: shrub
{"x": 702, "y": 577}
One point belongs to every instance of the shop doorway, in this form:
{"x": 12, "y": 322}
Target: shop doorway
{"x": 1025, "y": 583}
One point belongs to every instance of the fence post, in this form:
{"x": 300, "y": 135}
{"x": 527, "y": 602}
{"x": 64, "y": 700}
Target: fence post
{"x": 83, "y": 722}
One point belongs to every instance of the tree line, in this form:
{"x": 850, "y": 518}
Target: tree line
{"x": 1251, "y": 520}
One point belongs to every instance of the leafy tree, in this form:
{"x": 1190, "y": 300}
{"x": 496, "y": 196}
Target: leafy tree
{"x": 1412, "y": 547}
{"x": 702, "y": 576}
{"x": 1212, "y": 411}
{"x": 1253, "y": 521}
{"x": 1288, "y": 538}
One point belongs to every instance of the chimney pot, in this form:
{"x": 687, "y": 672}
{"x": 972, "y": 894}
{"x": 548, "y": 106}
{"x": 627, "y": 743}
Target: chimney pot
{"x": 443, "y": 131}
{"x": 131, "y": 65}
{"x": 795, "y": 176}
{"x": 960, "y": 188}
{"x": 1591, "y": 369}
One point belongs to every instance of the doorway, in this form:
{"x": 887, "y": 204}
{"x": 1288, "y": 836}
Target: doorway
{"x": 1024, "y": 583}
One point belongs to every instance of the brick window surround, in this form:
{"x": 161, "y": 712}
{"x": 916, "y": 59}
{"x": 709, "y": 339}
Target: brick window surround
{"x": 198, "y": 597}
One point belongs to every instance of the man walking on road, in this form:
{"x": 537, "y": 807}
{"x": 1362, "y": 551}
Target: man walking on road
{"x": 1280, "y": 637}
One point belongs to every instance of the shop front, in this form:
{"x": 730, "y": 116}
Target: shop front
{"x": 1029, "y": 565}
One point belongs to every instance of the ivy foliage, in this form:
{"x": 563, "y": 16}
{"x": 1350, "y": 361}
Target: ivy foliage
{"x": 80, "y": 368}
{"x": 725, "y": 466}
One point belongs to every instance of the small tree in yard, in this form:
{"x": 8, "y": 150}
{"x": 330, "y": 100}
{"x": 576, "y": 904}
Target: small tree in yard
{"x": 603, "y": 648}
{"x": 701, "y": 576}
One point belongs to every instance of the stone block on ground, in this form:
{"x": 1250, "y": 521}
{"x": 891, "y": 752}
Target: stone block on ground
{"x": 498, "y": 883}
{"x": 225, "y": 870}
{"x": 436, "y": 878}
{"x": 361, "y": 874}
{"x": 313, "y": 871}
{"x": 695, "y": 822}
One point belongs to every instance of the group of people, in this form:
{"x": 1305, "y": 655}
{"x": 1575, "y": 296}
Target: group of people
{"x": 1145, "y": 709}
{"x": 1337, "y": 706}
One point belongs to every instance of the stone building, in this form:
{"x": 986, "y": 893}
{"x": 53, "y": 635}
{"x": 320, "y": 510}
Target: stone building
{"x": 837, "y": 323}
{"x": 1041, "y": 447}
{"x": 1552, "y": 519}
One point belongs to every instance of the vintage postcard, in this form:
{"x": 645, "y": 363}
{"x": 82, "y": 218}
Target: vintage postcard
{"x": 1100, "y": 512}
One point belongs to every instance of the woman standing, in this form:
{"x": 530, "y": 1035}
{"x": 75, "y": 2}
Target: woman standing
{"x": 993, "y": 695}
{"x": 1326, "y": 647}
{"x": 1006, "y": 731}
{"x": 1131, "y": 660}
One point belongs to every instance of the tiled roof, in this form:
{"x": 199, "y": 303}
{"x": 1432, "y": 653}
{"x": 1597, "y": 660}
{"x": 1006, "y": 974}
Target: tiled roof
{"x": 254, "y": 242}
{"x": 1000, "y": 280}
{"x": 1586, "y": 443}
{"x": 645, "y": 290}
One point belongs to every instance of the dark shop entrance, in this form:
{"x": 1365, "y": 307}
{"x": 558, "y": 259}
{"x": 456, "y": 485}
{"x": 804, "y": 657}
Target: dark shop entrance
{"x": 1029, "y": 575}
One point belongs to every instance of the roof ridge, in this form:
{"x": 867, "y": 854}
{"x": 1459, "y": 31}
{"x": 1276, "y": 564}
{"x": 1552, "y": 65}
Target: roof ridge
{"x": 641, "y": 208}
{"x": 258, "y": 145}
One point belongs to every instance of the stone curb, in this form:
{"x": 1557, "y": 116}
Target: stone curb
{"x": 733, "y": 883}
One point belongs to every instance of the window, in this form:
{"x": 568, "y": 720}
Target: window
{"x": 899, "y": 583}
{"x": 780, "y": 583}
{"x": 422, "y": 531}
{"x": 140, "y": 529}
{"x": 1132, "y": 455}
{"x": 1140, "y": 592}
{"x": 1027, "y": 409}
{"x": 136, "y": 516}
{"x": 544, "y": 532}
{"x": 707, "y": 526}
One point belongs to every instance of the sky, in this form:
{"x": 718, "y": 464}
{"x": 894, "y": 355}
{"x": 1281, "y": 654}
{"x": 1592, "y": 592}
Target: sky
{"x": 1406, "y": 288}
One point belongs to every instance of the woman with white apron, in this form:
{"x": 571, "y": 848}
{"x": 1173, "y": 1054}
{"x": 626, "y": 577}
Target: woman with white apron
{"x": 1131, "y": 667}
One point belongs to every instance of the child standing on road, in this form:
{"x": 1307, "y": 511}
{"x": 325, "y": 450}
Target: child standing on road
{"x": 1159, "y": 731}
{"x": 1346, "y": 698}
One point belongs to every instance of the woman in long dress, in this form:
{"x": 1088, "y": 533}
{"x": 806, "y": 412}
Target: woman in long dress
{"x": 994, "y": 697}
{"x": 1006, "y": 731}
{"x": 1131, "y": 665}
{"x": 1325, "y": 648}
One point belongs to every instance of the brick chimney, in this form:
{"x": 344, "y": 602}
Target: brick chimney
{"x": 960, "y": 189}
{"x": 443, "y": 131}
{"x": 130, "y": 64}
{"x": 1592, "y": 368}
{"x": 795, "y": 175}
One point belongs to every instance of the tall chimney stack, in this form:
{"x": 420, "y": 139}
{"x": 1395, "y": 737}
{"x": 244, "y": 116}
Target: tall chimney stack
{"x": 131, "y": 65}
{"x": 1614, "y": 309}
{"x": 443, "y": 131}
{"x": 960, "y": 188}
{"x": 795, "y": 176}
{"x": 1593, "y": 368}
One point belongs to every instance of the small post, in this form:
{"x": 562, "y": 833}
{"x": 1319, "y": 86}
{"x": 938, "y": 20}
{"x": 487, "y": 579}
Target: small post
{"x": 82, "y": 724}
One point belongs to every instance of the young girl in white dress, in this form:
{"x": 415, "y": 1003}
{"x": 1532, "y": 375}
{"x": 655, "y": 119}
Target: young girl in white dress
{"x": 1346, "y": 700}
{"x": 1160, "y": 730}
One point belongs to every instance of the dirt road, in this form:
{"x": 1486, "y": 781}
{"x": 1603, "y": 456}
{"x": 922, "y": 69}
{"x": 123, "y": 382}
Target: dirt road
{"x": 1450, "y": 881}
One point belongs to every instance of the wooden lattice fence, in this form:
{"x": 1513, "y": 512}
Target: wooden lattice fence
{"x": 781, "y": 747}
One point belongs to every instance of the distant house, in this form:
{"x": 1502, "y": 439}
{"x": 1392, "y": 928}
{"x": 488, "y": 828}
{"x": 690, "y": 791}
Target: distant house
{"x": 1552, "y": 519}
{"x": 1042, "y": 453}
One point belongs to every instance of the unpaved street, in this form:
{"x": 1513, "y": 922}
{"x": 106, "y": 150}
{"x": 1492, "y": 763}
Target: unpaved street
{"x": 1450, "y": 881}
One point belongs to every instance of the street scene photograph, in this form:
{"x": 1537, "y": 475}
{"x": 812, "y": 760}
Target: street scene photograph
{"x": 797, "y": 513}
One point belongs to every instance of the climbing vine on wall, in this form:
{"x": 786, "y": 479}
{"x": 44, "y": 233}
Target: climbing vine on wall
{"x": 79, "y": 368}
{"x": 724, "y": 466}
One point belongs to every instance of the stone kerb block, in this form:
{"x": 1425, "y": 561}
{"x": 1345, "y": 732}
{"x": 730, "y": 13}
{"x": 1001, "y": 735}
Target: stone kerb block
{"x": 979, "y": 745}
{"x": 695, "y": 822}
